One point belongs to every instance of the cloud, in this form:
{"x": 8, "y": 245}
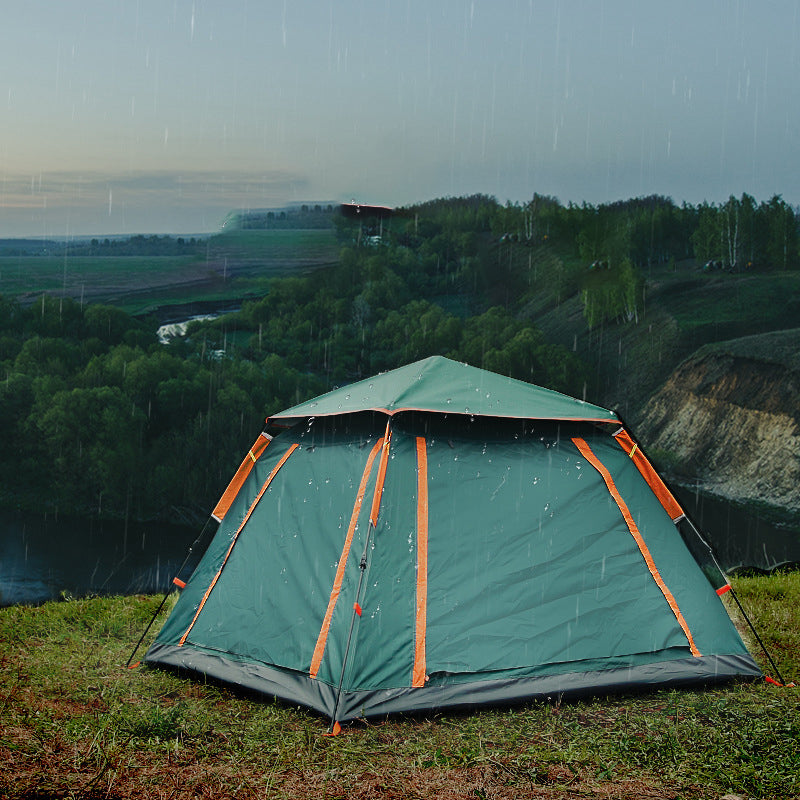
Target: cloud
{"x": 137, "y": 201}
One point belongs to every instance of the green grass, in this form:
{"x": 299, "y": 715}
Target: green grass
{"x": 75, "y": 723}
{"x": 288, "y": 244}
{"x": 96, "y": 274}
{"x": 231, "y": 266}
{"x": 742, "y": 303}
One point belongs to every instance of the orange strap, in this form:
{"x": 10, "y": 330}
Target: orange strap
{"x": 319, "y": 649}
{"x": 418, "y": 673}
{"x": 665, "y": 497}
{"x": 643, "y": 549}
{"x": 255, "y": 502}
{"x": 229, "y": 495}
{"x": 376, "y": 499}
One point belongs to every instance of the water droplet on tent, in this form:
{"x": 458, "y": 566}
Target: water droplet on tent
{"x": 466, "y": 410}
{"x": 346, "y": 397}
{"x": 536, "y": 480}
{"x": 449, "y": 400}
{"x": 372, "y": 386}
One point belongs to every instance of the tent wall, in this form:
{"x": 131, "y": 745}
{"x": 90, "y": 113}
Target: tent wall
{"x": 502, "y": 565}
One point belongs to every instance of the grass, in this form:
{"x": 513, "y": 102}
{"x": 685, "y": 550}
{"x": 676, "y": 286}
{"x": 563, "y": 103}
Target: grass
{"x": 232, "y": 265}
{"x": 725, "y": 306}
{"x": 32, "y": 275}
{"x": 75, "y": 723}
{"x": 287, "y": 244}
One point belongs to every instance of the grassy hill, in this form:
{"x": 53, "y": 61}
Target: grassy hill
{"x": 683, "y": 309}
{"x": 75, "y": 723}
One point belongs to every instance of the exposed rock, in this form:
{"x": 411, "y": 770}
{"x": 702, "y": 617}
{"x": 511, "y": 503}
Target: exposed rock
{"x": 733, "y": 420}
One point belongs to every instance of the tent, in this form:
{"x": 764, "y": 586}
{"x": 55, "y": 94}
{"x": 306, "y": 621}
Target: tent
{"x": 440, "y": 536}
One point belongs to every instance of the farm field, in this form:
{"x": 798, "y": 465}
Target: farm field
{"x": 234, "y": 265}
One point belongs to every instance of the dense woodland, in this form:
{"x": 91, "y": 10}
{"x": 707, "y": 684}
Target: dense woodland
{"x": 98, "y": 417}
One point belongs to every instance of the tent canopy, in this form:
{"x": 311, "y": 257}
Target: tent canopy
{"x": 438, "y": 384}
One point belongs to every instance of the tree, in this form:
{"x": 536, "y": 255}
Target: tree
{"x": 780, "y": 224}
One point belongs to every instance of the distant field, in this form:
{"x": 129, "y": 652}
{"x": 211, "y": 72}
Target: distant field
{"x": 235, "y": 264}
{"x": 21, "y": 275}
{"x": 314, "y": 245}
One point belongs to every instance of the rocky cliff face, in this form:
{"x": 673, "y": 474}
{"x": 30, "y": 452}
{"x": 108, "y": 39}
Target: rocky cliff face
{"x": 730, "y": 416}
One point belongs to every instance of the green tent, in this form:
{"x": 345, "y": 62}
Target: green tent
{"x": 441, "y": 536}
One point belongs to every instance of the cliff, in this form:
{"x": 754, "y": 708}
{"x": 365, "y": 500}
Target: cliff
{"x": 730, "y": 416}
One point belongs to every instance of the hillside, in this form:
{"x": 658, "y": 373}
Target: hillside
{"x": 598, "y": 302}
{"x": 77, "y": 724}
{"x": 682, "y": 310}
{"x": 729, "y": 416}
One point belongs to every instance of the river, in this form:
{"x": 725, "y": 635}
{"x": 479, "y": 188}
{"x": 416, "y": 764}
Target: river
{"x": 47, "y": 558}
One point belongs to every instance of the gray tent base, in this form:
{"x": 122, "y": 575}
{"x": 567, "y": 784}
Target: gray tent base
{"x": 444, "y": 693}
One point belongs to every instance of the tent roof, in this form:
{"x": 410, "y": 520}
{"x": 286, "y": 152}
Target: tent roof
{"x": 438, "y": 384}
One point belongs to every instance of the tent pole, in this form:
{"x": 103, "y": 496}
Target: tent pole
{"x": 176, "y": 581}
{"x": 356, "y": 611}
{"x": 737, "y": 601}
{"x": 717, "y": 565}
{"x": 373, "y": 522}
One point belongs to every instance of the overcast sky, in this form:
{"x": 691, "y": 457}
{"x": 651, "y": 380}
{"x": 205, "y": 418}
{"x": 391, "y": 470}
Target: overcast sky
{"x": 161, "y": 116}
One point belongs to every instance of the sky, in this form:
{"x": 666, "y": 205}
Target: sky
{"x": 162, "y": 116}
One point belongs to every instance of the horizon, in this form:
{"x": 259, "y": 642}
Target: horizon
{"x": 128, "y": 118}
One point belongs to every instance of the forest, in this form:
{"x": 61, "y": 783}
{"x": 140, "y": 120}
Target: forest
{"x": 100, "y": 418}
